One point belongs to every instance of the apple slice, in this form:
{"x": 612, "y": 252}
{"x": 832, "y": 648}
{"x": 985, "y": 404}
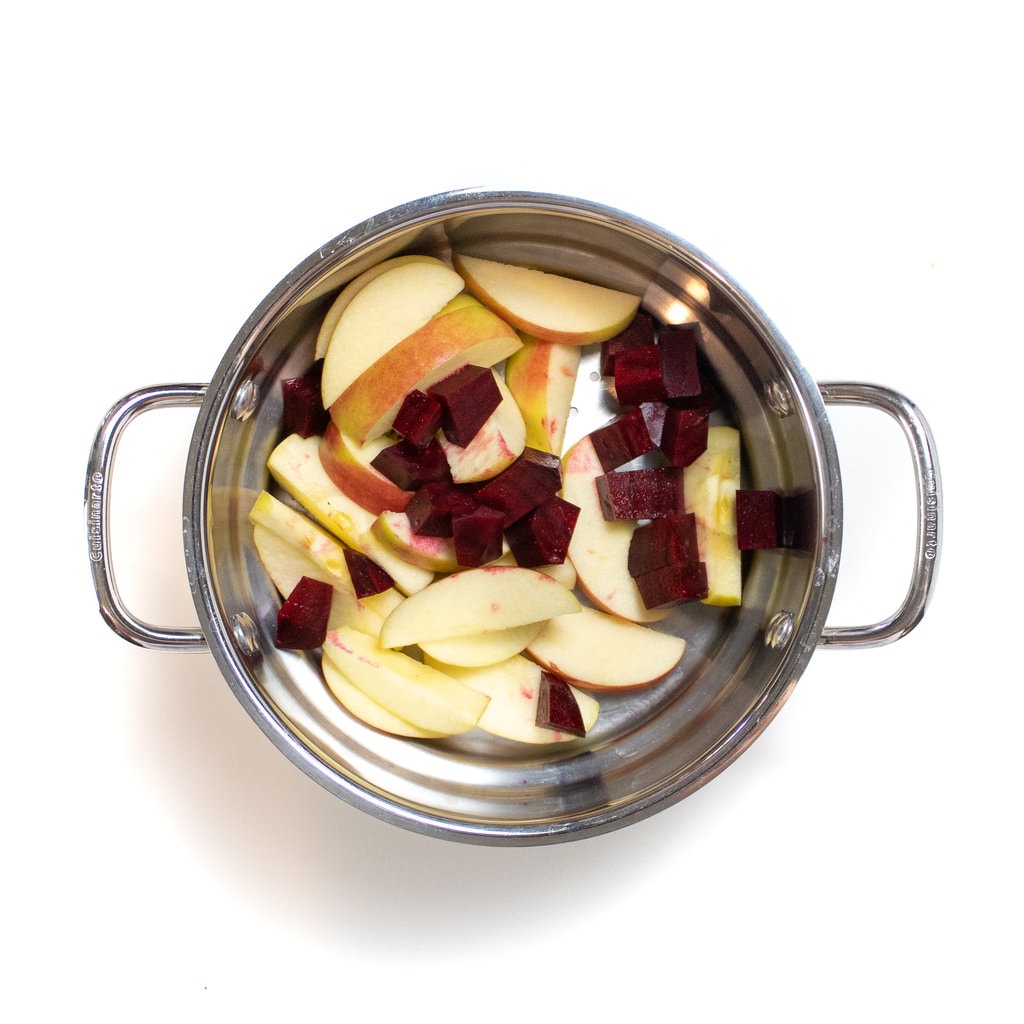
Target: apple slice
{"x": 542, "y": 379}
{"x": 599, "y": 548}
{"x": 548, "y": 306}
{"x": 477, "y": 649}
{"x": 436, "y": 554}
{"x": 349, "y": 465}
{"x": 463, "y": 332}
{"x": 367, "y": 710}
{"x": 602, "y": 651}
{"x": 513, "y": 687}
{"x": 477, "y": 601}
{"x": 710, "y": 483}
{"x": 419, "y": 694}
{"x": 390, "y": 307}
{"x": 295, "y": 465}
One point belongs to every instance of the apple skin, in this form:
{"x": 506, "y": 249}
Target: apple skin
{"x": 709, "y": 490}
{"x": 599, "y": 548}
{"x": 421, "y": 695}
{"x": 390, "y": 307}
{"x": 436, "y": 554}
{"x": 295, "y": 465}
{"x": 348, "y": 465}
{"x": 465, "y": 332}
{"x": 497, "y": 444}
{"x": 599, "y": 651}
{"x": 550, "y": 307}
{"x": 542, "y": 379}
{"x": 513, "y": 687}
{"x": 476, "y": 601}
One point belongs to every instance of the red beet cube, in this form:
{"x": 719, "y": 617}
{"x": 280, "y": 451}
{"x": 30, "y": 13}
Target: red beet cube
{"x": 671, "y": 540}
{"x": 418, "y": 418}
{"x": 654, "y": 417}
{"x": 758, "y": 520}
{"x": 542, "y": 536}
{"x": 431, "y": 508}
{"x": 368, "y": 578}
{"x": 467, "y": 398}
{"x": 708, "y": 398}
{"x": 637, "y": 375}
{"x": 623, "y": 440}
{"x": 532, "y": 478}
{"x": 304, "y": 413}
{"x": 409, "y": 466}
{"x": 478, "y": 535}
{"x": 669, "y": 584}
{"x": 650, "y": 493}
{"x": 557, "y": 707}
{"x": 302, "y": 619}
{"x": 680, "y": 373}
{"x": 684, "y": 435}
{"x": 639, "y": 332}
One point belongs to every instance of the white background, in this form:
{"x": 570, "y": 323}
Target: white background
{"x": 855, "y": 168}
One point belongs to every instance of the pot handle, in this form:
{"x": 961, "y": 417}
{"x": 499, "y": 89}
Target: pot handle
{"x": 929, "y": 513}
{"x": 97, "y": 507}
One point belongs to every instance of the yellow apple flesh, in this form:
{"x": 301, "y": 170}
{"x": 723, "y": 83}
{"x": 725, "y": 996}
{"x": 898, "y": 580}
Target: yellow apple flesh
{"x": 478, "y": 649}
{"x": 542, "y": 379}
{"x": 602, "y": 651}
{"x": 477, "y": 601}
{"x": 417, "y": 693}
{"x": 348, "y": 464}
{"x": 463, "y": 333}
{"x": 548, "y": 306}
{"x": 390, "y": 307}
{"x": 599, "y": 548}
{"x": 436, "y": 554}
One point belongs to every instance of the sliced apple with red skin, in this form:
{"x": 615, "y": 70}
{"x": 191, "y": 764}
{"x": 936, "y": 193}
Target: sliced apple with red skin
{"x": 542, "y": 379}
{"x": 295, "y": 465}
{"x": 464, "y": 333}
{"x": 600, "y": 651}
{"x": 477, "y": 601}
{"x": 436, "y": 554}
{"x": 497, "y": 444}
{"x": 417, "y": 693}
{"x": 348, "y": 464}
{"x": 513, "y": 687}
{"x": 710, "y": 483}
{"x": 390, "y": 307}
{"x": 599, "y": 548}
{"x": 547, "y": 306}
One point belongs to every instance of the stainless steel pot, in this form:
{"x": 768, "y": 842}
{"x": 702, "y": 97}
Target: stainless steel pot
{"x": 648, "y": 750}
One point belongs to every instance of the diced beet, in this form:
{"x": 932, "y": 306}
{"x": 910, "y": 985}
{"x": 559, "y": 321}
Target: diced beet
{"x": 684, "y": 435}
{"x": 542, "y": 536}
{"x": 467, "y": 398}
{"x": 432, "y": 506}
{"x": 758, "y": 520}
{"x": 649, "y": 493}
{"x": 408, "y": 466}
{"x": 368, "y": 578}
{"x": 654, "y": 417}
{"x": 673, "y": 583}
{"x": 680, "y": 373}
{"x": 797, "y": 519}
{"x": 637, "y": 375}
{"x": 478, "y": 535}
{"x": 418, "y": 418}
{"x": 523, "y": 485}
{"x": 623, "y": 440}
{"x": 557, "y": 707}
{"x": 639, "y": 332}
{"x": 302, "y": 618}
{"x": 708, "y": 398}
{"x": 671, "y": 540}
{"x": 304, "y": 413}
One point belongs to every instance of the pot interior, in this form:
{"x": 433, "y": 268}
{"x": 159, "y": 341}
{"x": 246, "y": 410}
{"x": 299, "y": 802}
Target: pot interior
{"x": 651, "y": 747}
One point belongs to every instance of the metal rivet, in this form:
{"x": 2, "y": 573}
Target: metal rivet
{"x": 245, "y": 634}
{"x": 777, "y": 396}
{"x": 245, "y": 400}
{"x": 779, "y": 630}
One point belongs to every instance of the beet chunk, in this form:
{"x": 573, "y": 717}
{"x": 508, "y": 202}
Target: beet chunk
{"x": 368, "y": 578}
{"x": 557, "y": 707}
{"x": 522, "y": 486}
{"x": 623, "y": 440}
{"x": 670, "y": 584}
{"x": 668, "y": 541}
{"x": 418, "y": 418}
{"x": 302, "y": 619}
{"x": 680, "y": 374}
{"x": 650, "y": 493}
{"x": 758, "y": 520}
{"x": 432, "y": 506}
{"x": 684, "y": 435}
{"x": 467, "y": 398}
{"x": 408, "y": 466}
{"x": 639, "y": 332}
{"x": 478, "y": 535}
{"x": 542, "y": 536}
{"x": 304, "y": 413}
{"x": 638, "y": 375}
